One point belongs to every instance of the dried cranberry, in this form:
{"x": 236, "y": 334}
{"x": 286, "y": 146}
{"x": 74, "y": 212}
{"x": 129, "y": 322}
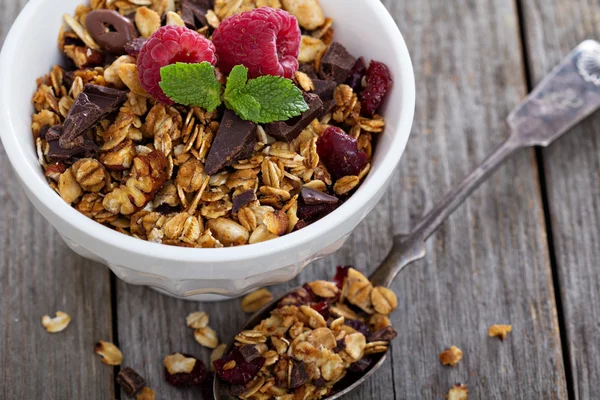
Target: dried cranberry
{"x": 194, "y": 378}
{"x": 243, "y": 372}
{"x": 299, "y": 375}
{"x": 207, "y": 387}
{"x": 341, "y": 273}
{"x": 320, "y": 383}
{"x": 322, "y": 308}
{"x": 298, "y": 298}
{"x": 361, "y": 365}
{"x": 314, "y": 212}
{"x": 379, "y": 81}
{"x": 358, "y": 326}
{"x": 356, "y": 74}
{"x": 339, "y": 152}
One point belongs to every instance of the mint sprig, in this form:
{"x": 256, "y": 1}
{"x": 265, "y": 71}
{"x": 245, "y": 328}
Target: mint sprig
{"x": 262, "y": 100}
{"x": 192, "y": 85}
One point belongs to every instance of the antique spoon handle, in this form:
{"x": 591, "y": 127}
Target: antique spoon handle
{"x": 407, "y": 249}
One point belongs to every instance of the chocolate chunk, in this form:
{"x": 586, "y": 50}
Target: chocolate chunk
{"x": 249, "y": 353}
{"x": 388, "y": 333}
{"x": 68, "y": 79}
{"x": 110, "y": 30}
{"x": 328, "y": 107}
{"x": 134, "y": 46}
{"x": 320, "y": 382}
{"x": 290, "y": 129}
{"x": 311, "y": 197}
{"x": 324, "y": 89}
{"x": 193, "y": 12}
{"x": 242, "y": 199}
{"x": 308, "y": 69}
{"x": 337, "y": 63}
{"x": 299, "y": 375}
{"x": 131, "y": 382}
{"x": 93, "y": 104}
{"x": 361, "y": 365}
{"x": 356, "y": 75}
{"x": 82, "y": 146}
{"x": 234, "y": 137}
{"x": 313, "y": 212}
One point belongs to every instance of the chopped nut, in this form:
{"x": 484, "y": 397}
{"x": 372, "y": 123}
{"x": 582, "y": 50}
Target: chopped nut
{"x": 178, "y": 363}
{"x": 56, "y": 324}
{"x": 384, "y": 300}
{"x": 500, "y": 331}
{"x": 308, "y": 12}
{"x": 197, "y": 320}
{"x": 147, "y": 21}
{"x": 228, "y": 231}
{"x": 451, "y": 356}
{"x": 129, "y": 75}
{"x": 111, "y": 73}
{"x": 146, "y": 394}
{"x": 458, "y": 392}
{"x": 310, "y": 47}
{"x": 256, "y": 300}
{"x": 357, "y": 290}
{"x": 304, "y": 81}
{"x": 217, "y": 353}
{"x": 174, "y": 19}
{"x": 68, "y": 188}
{"x": 207, "y": 337}
{"x": 111, "y": 355}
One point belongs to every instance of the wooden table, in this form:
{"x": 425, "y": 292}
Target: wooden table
{"x": 522, "y": 250}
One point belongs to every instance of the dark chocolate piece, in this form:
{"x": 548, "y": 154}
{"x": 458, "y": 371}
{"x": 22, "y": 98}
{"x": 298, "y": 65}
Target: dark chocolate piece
{"x": 328, "y": 107}
{"x": 324, "y": 89}
{"x": 361, "y": 365}
{"x": 110, "y": 30}
{"x": 249, "y": 353}
{"x": 356, "y": 75}
{"x": 242, "y": 199}
{"x": 134, "y": 46}
{"x": 93, "y": 104}
{"x": 312, "y": 197}
{"x": 299, "y": 375}
{"x": 82, "y": 146}
{"x": 193, "y": 12}
{"x": 388, "y": 333}
{"x": 290, "y": 129}
{"x": 308, "y": 69}
{"x": 336, "y": 63}
{"x": 130, "y": 381}
{"x": 233, "y": 139}
{"x": 313, "y": 212}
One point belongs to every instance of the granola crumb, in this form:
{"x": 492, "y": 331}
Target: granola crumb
{"x": 458, "y": 392}
{"x": 451, "y": 356}
{"x": 179, "y": 364}
{"x": 111, "y": 355}
{"x": 56, "y": 324}
{"x": 256, "y": 300}
{"x": 500, "y": 331}
{"x": 146, "y": 394}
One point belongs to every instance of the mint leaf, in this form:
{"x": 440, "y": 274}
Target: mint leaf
{"x": 264, "y": 99}
{"x": 236, "y": 80}
{"x": 192, "y": 85}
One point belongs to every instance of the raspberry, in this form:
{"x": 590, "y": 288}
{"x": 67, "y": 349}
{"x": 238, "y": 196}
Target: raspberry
{"x": 379, "y": 81}
{"x": 339, "y": 152}
{"x": 169, "y": 45}
{"x": 264, "y": 40}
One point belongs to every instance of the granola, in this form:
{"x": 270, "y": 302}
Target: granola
{"x": 141, "y": 166}
{"x": 313, "y": 339}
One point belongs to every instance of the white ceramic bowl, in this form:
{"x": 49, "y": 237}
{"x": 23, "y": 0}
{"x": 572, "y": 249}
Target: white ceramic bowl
{"x": 363, "y": 26}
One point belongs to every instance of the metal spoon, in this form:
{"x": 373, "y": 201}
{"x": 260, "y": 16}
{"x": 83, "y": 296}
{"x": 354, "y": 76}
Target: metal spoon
{"x": 570, "y": 93}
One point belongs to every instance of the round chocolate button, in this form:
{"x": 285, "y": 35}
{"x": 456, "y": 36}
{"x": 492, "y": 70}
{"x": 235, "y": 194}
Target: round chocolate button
{"x": 110, "y": 30}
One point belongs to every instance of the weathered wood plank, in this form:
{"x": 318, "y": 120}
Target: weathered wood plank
{"x": 553, "y": 28}
{"x": 489, "y": 263}
{"x": 40, "y": 275}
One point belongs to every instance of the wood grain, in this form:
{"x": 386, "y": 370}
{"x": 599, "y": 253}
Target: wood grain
{"x": 571, "y": 167}
{"x": 40, "y": 275}
{"x": 488, "y": 264}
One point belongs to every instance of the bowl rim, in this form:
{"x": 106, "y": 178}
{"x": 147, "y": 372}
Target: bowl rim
{"x": 39, "y": 188}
